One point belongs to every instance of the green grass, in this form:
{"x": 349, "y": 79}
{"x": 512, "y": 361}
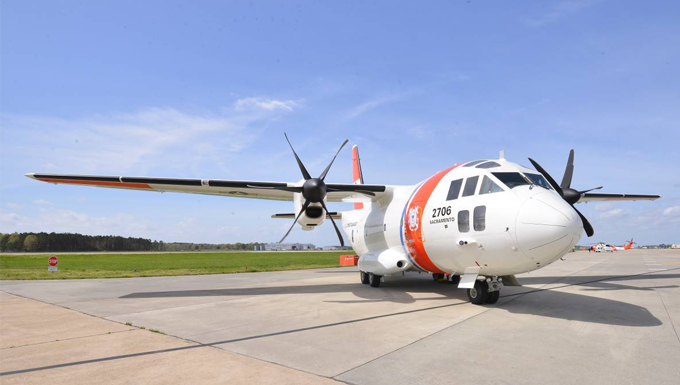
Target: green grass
{"x": 77, "y": 266}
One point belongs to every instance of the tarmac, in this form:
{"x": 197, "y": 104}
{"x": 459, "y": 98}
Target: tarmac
{"x": 591, "y": 318}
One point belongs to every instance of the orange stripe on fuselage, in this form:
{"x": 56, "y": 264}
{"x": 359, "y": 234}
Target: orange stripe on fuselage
{"x": 413, "y": 236}
{"x": 97, "y": 183}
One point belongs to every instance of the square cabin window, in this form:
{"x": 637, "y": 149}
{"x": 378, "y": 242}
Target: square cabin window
{"x": 479, "y": 218}
{"x": 463, "y": 221}
{"x": 454, "y": 190}
{"x": 470, "y": 186}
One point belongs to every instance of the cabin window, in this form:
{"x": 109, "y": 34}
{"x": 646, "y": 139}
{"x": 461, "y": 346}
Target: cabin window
{"x": 470, "y": 186}
{"x": 490, "y": 164}
{"x": 511, "y": 179}
{"x": 479, "y": 218}
{"x": 539, "y": 180}
{"x": 474, "y": 163}
{"x": 454, "y": 190}
{"x": 463, "y": 221}
{"x": 489, "y": 187}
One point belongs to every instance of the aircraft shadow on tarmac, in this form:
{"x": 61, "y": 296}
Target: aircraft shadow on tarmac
{"x": 549, "y": 302}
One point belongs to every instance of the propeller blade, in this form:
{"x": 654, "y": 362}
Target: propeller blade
{"x": 302, "y": 210}
{"x": 305, "y": 174}
{"x": 569, "y": 171}
{"x": 337, "y": 231}
{"x": 547, "y": 176}
{"x": 323, "y": 174}
{"x": 585, "y": 191}
{"x": 586, "y": 225}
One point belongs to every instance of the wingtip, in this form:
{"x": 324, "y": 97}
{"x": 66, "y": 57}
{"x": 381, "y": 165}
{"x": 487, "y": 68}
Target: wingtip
{"x": 30, "y": 175}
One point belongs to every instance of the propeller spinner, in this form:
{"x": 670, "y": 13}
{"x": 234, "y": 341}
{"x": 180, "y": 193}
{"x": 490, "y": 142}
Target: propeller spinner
{"x": 314, "y": 190}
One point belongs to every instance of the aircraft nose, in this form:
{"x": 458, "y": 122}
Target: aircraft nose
{"x": 547, "y": 227}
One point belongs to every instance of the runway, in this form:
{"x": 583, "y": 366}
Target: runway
{"x": 592, "y": 318}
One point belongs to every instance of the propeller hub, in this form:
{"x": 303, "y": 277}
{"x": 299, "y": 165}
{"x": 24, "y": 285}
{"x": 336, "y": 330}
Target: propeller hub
{"x": 314, "y": 190}
{"x": 570, "y": 195}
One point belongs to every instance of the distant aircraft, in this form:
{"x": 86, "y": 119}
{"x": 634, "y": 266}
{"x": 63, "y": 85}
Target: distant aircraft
{"x": 601, "y": 246}
{"x": 476, "y": 223}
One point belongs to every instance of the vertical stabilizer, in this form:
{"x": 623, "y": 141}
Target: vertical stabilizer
{"x": 357, "y": 174}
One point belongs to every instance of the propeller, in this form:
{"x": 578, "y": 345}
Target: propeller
{"x": 567, "y": 193}
{"x": 314, "y": 190}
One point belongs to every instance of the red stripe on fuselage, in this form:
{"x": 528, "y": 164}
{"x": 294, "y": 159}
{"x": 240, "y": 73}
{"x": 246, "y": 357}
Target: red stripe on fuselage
{"x": 413, "y": 235}
{"x": 97, "y": 183}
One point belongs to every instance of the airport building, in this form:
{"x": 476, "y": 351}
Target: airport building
{"x": 288, "y": 246}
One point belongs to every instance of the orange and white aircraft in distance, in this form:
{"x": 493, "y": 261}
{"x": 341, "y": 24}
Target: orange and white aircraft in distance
{"x": 601, "y": 246}
{"x": 475, "y": 223}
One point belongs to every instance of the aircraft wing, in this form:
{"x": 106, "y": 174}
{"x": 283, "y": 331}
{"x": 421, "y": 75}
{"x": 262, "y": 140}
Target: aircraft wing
{"x": 242, "y": 189}
{"x": 597, "y": 197}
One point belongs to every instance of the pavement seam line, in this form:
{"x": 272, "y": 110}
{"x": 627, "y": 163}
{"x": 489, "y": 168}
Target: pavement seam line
{"x": 666, "y": 309}
{"x": 69, "y": 339}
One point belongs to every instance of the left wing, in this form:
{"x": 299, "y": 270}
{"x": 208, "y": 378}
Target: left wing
{"x": 596, "y": 197}
{"x": 241, "y": 189}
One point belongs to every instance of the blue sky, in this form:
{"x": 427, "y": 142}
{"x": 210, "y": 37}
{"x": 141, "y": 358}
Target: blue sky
{"x": 206, "y": 89}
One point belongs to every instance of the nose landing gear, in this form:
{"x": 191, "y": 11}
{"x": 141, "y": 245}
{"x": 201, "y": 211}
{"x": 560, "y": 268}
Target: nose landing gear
{"x": 484, "y": 292}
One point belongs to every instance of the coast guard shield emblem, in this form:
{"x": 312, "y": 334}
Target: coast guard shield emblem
{"x": 413, "y": 218}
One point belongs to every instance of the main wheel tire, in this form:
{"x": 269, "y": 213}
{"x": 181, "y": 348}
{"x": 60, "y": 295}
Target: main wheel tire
{"x": 364, "y": 277}
{"x": 437, "y": 277}
{"x": 493, "y": 296}
{"x": 374, "y": 280}
{"x": 455, "y": 279}
{"x": 479, "y": 293}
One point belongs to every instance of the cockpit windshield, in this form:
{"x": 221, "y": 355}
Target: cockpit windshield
{"x": 511, "y": 179}
{"x": 539, "y": 180}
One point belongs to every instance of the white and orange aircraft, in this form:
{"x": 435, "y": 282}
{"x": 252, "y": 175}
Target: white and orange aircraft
{"x": 476, "y": 223}
{"x": 601, "y": 246}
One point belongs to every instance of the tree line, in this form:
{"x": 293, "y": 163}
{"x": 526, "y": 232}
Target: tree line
{"x": 68, "y": 242}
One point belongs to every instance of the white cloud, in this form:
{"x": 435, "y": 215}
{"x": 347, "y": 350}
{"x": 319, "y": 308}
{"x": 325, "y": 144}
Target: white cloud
{"x": 370, "y": 105}
{"x": 265, "y": 104}
{"x": 143, "y": 141}
{"x": 14, "y": 206}
{"x": 612, "y": 213}
{"x": 420, "y": 132}
{"x": 604, "y": 206}
{"x": 672, "y": 211}
{"x": 560, "y": 10}
{"x": 41, "y": 202}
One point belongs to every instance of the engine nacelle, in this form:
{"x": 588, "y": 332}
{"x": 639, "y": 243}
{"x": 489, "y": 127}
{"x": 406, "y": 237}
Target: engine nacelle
{"x": 313, "y": 216}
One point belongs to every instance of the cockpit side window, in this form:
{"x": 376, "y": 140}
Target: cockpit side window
{"x": 511, "y": 179}
{"x": 539, "y": 180}
{"x": 454, "y": 190}
{"x": 470, "y": 186}
{"x": 479, "y": 218}
{"x": 489, "y": 186}
{"x": 463, "y": 221}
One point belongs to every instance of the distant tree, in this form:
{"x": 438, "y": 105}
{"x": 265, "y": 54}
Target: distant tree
{"x": 31, "y": 243}
{"x": 3, "y": 241}
{"x": 15, "y": 242}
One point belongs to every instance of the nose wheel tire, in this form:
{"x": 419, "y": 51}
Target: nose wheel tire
{"x": 374, "y": 280}
{"x": 364, "y": 277}
{"x": 478, "y": 294}
{"x": 493, "y": 297}
{"x": 437, "y": 277}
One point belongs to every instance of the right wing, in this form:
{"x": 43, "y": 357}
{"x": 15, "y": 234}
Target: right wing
{"x": 597, "y": 197}
{"x": 241, "y": 189}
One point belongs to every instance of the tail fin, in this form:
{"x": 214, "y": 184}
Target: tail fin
{"x": 357, "y": 174}
{"x": 629, "y": 245}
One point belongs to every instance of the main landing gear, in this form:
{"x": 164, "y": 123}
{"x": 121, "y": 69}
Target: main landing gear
{"x": 370, "y": 279}
{"x": 483, "y": 293}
